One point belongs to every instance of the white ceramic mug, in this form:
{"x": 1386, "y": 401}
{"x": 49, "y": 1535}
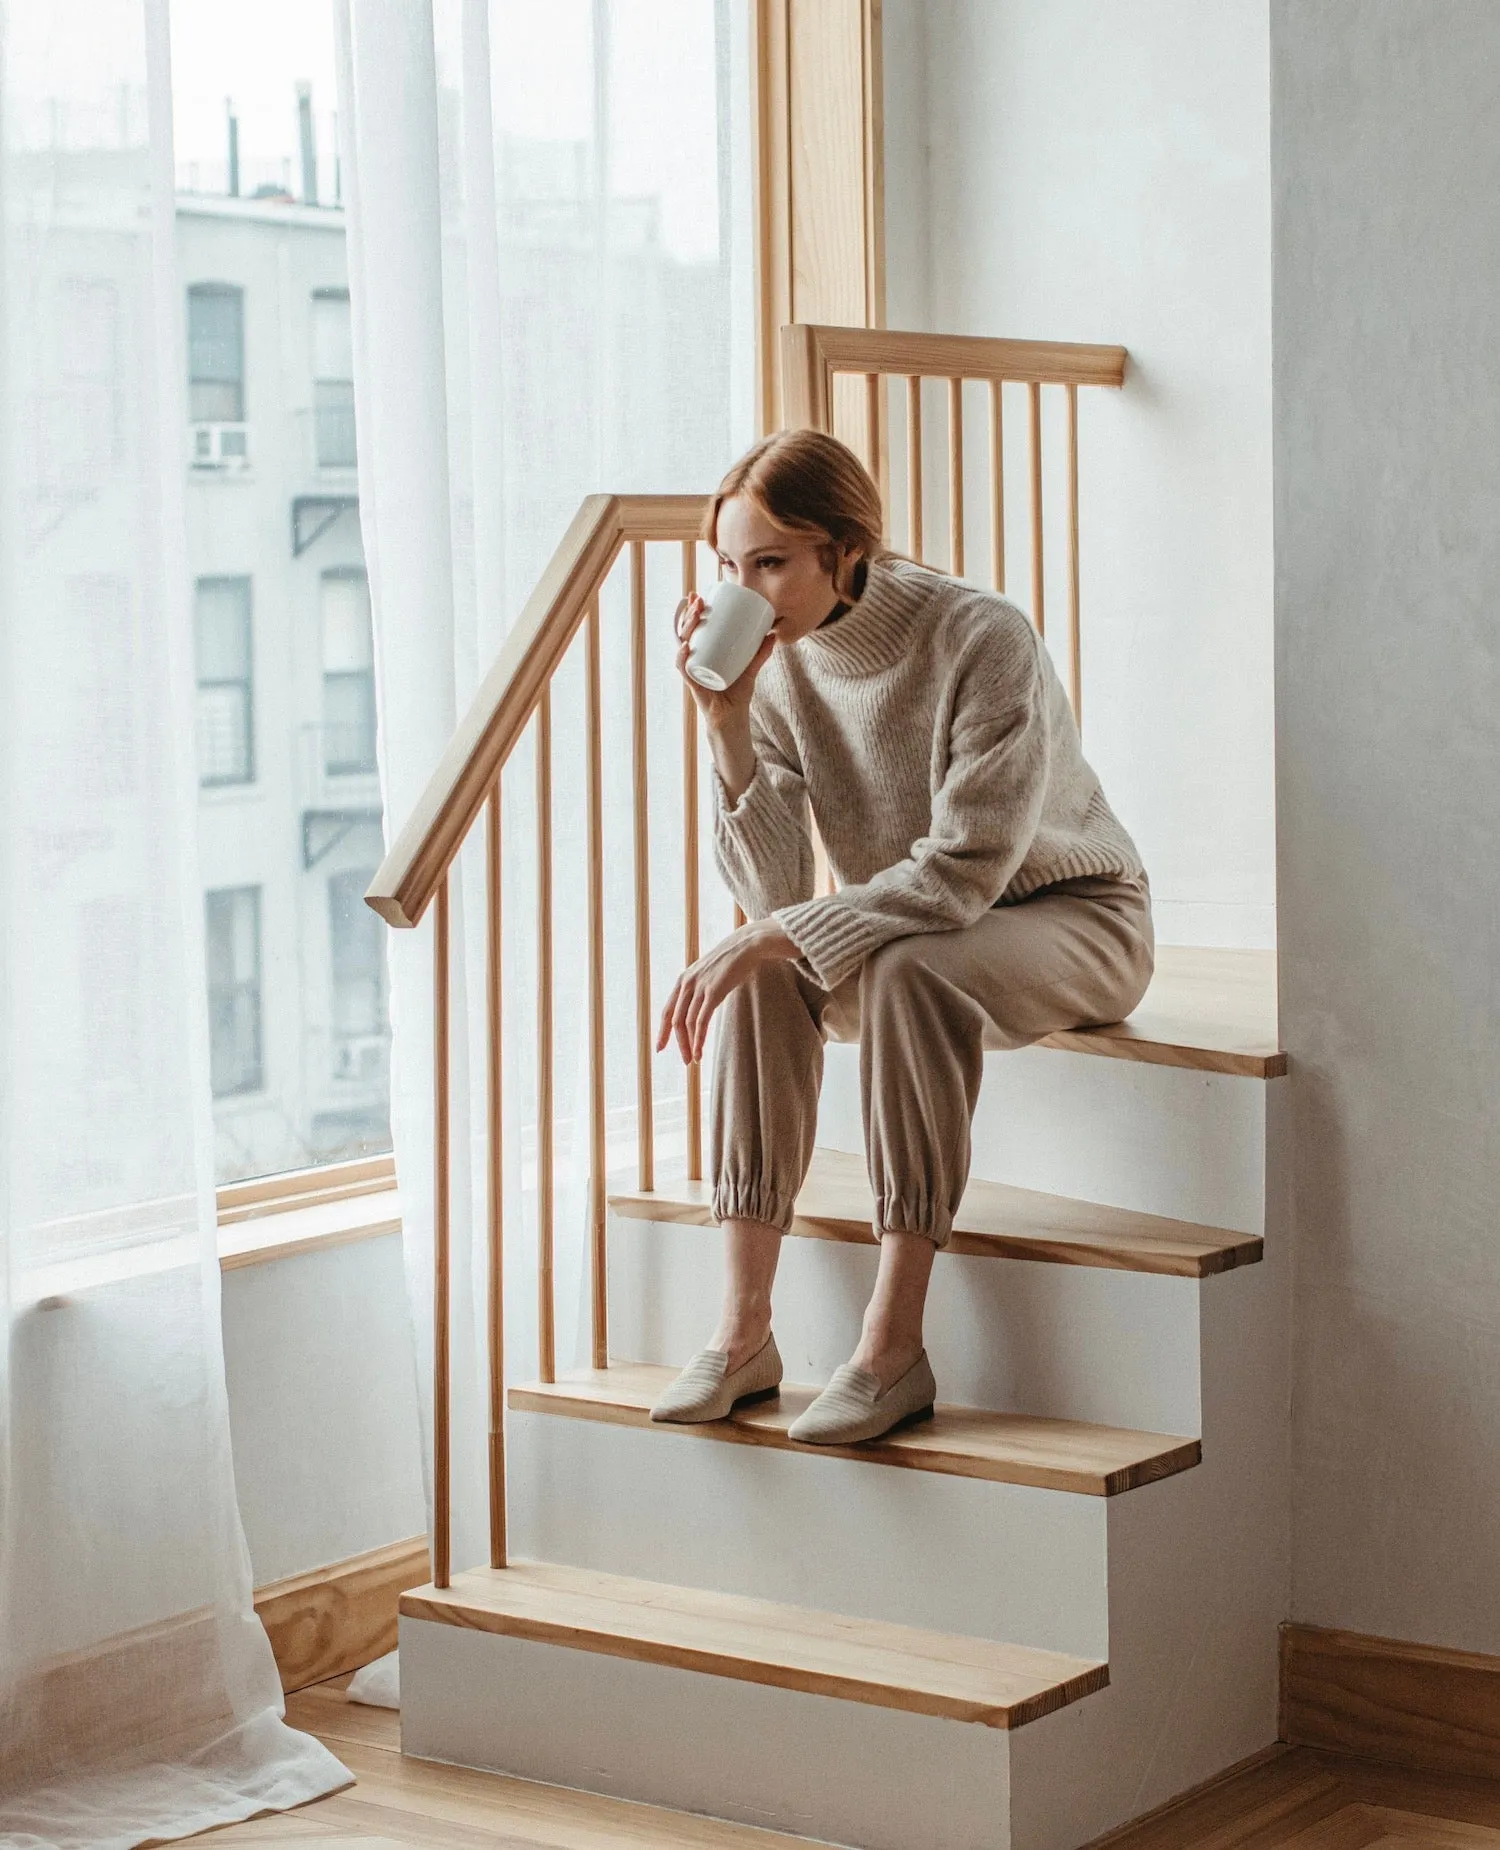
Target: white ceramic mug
{"x": 723, "y": 644}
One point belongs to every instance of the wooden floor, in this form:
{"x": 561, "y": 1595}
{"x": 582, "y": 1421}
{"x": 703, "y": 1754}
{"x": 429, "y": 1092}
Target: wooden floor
{"x": 1292, "y": 1797}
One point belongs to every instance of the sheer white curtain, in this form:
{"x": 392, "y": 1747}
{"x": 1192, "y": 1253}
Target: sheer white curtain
{"x": 549, "y": 267}
{"x": 138, "y": 1696}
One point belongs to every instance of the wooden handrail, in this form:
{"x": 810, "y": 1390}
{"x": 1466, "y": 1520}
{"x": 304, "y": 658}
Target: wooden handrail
{"x": 486, "y": 736}
{"x": 811, "y": 355}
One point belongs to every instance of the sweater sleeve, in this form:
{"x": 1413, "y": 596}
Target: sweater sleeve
{"x": 984, "y": 815}
{"x": 761, "y": 843}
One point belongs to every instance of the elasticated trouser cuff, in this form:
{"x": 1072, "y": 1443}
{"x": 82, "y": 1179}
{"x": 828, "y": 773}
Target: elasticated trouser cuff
{"x": 932, "y": 1219}
{"x": 756, "y": 1201}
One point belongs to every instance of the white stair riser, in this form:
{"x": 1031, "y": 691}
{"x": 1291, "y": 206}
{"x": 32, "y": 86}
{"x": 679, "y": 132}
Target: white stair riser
{"x": 950, "y": 1554}
{"x": 816, "y": 1766}
{"x": 1063, "y": 1341}
{"x": 1157, "y": 1139}
{"x": 1199, "y": 1581}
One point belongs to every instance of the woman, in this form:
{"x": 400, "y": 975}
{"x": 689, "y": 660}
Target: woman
{"x": 987, "y": 897}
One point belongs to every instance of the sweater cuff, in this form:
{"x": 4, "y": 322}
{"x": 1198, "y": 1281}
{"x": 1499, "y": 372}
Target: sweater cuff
{"x": 834, "y": 937}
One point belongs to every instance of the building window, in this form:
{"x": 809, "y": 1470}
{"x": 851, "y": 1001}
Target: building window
{"x": 233, "y": 924}
{"x": 357, "y": 962}
{"x": 333, "y": 379}
{"x": 226, "y": 730}
{"x": 348, "y": 674}
{"x": 216, "y": 354}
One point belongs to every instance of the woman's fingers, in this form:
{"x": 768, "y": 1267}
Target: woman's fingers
{"x": 705, "y": 1001}
{"x": 684, "y": 1016}
{"x": 689, "y": 614}
{"x": 690, "y": 1027}
{"x": 669, "y": 1009}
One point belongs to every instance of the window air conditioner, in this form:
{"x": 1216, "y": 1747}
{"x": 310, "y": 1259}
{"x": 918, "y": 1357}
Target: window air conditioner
{"x": 219, "y": 446}
{"x": 359, "y": 1057}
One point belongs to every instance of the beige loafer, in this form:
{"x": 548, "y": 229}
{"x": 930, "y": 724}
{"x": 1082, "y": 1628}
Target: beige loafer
{"x": 706, "y": 1391}
{"x": 852, "y": 1407}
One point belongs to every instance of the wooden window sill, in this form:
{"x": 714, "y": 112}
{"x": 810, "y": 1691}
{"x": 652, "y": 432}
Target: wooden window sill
{"x": 259, "y": 1239}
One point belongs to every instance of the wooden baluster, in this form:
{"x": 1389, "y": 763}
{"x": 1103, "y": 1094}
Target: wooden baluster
{"x": 495, "y": 1310}
{"x": 1075, "y": 637}
{"x": 690, "y": 919}
{"x": 1038, "y": 587}
{"x": 546, "y": 1315}
{"x": 598, "y": 1250}
{"x": 914, "y": 465}
{"x": 442, "y": 1491}
{"x": 997, "y": 486}
{"x": 644, "y": 1102}
{"x": 956, "y": 477}
{"x": 877, "y": 448}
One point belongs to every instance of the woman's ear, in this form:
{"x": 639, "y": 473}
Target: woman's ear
{"x": 846, "y": 572}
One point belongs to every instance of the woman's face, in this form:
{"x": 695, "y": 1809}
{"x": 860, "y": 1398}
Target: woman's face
{"x": 789, "y": 569}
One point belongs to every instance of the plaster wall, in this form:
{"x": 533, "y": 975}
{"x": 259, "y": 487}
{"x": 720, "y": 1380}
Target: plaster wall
{"x": 1076, "y": 171}
{"x": 323, "y": 1406}
{"x": 1387, "y": 253}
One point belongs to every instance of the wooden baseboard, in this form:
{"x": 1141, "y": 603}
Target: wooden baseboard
{"x": 341, "y": 1616}
{"x": 1411, "y": 1705}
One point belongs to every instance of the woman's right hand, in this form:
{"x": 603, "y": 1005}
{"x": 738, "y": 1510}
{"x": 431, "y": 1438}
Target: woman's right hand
{"x": 727, "y": 712}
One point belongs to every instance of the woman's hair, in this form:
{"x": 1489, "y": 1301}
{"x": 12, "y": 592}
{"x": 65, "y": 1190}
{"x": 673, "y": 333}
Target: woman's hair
{"x": 808, "y": 482}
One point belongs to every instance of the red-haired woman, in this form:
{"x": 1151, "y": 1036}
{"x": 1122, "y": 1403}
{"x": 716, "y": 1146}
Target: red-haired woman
{"x": 987, "y": 897}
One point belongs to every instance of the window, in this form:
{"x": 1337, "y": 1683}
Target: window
{"x": 233, "y": 927}
{"x": 226, "y": 735}
{"x": 333, "y": 379}
{"x": 288, "y": 802}
{"x": 216, "y": 354}
{"x": 348, "y": 674}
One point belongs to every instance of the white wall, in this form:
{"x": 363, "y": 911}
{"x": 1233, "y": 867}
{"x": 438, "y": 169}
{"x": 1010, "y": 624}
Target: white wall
{"x": 1097, "y": 172}
{"x": 1387, "y": 247}
{"x": 322, "y": 1406}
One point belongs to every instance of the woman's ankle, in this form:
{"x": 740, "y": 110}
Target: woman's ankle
{"x": 887, "y": 1355}
{"x": 743, "y": 1335}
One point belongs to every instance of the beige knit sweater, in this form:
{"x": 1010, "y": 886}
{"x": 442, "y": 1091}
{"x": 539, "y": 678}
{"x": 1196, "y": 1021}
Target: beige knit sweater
{"x": 929, "y": 730}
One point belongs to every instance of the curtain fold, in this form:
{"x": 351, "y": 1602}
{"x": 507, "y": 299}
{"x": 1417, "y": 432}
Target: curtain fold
{"x": 549, "y": 274}
{"x": 138, "y": 1696}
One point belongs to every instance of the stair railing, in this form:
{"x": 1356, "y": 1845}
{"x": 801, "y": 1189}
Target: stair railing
{"x": 815, "y": 359}
{"x": 515, "y": 695}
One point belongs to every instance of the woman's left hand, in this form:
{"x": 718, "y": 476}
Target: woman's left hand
{"x": 704, "y": 985}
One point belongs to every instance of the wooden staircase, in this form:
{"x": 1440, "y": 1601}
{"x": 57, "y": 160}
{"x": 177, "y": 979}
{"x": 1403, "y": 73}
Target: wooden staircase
{"x": 1013, "y": 1570}
{"x": 1046, "y": 1611}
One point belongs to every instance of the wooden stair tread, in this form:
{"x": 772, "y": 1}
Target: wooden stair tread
{"x": 994, "y": 1221}
{"x": 757, "y": 1641}
{"x": 1210, "y": 1009}
{"x": 1003, "y": 1448}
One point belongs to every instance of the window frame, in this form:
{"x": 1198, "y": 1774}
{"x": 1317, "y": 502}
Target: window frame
{"x": 303, "y": 1188}
{"x": 847, "y": 182}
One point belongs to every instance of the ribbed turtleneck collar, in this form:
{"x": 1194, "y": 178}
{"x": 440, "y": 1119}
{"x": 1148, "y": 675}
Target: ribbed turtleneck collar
{"x": 875, "y": 630}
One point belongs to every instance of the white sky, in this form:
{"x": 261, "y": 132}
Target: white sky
{"x": 662, "y": 89}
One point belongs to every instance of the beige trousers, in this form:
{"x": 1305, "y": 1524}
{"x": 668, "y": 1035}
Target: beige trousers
{"x": 923, "y": 1009}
